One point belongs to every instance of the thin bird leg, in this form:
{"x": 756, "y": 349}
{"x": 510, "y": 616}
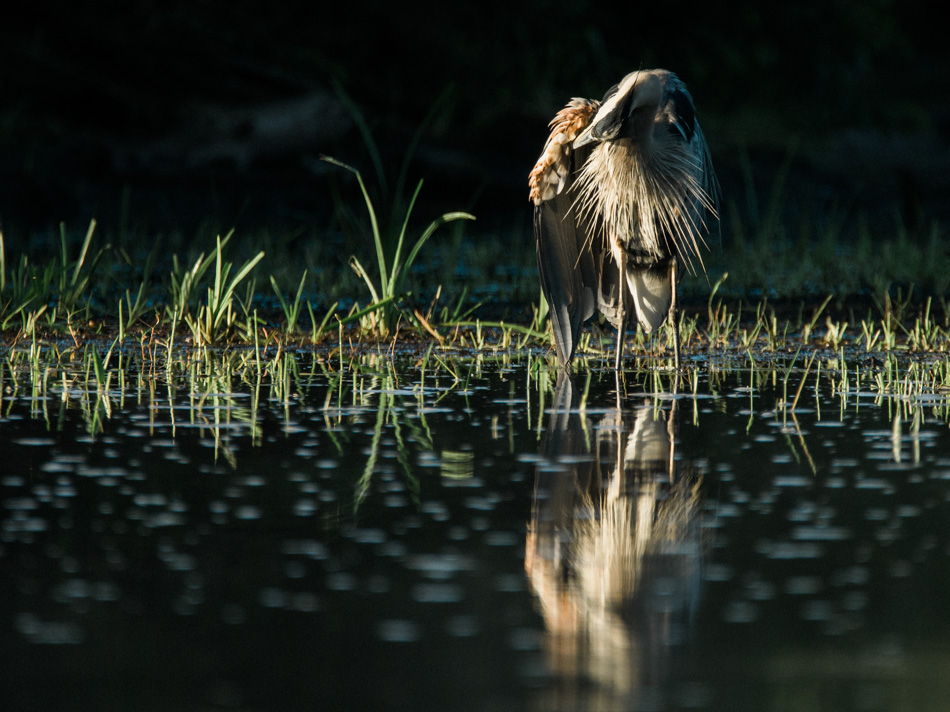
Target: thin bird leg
{"x": 674, "y": 317}
{"x": 671, "y": 434}
{"x": 621, "y": 326}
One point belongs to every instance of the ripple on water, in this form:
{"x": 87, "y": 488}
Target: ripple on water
{"x": 308, "y": 548}
{"x": 740, "y": 612}
{"x": 341, "y": 581}
{"x": 525, "y": 639}
{"x": 439, "y": 566}
{"x": 791, "y": 481}
{"x": 369, "y": 536}
{"x": 437, "y": 593}
{"x": 438, "y": 510}
{"x": 305, "y": 507}
{"x": 398, "y": 631}
{"x": 41, "y": 632}
{"x": 817, "y": 610}
{"x": 248, "y": 512}
{"x": 821, "y": 533}
{"x": 789, "y": 550}
{"x": 759, "y": 590}
{"x": 501, "y": 538}
{"x": 34, "y": 442}
{"x": 463, "y": 626}
{"x": 718, "y": 573}
{"x": 802, "y": 585}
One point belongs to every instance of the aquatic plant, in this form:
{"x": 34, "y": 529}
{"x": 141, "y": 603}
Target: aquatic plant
{"x": 391, "y": 268}
{"x": 216, "y": 317}
{"x": 291, "y": 310}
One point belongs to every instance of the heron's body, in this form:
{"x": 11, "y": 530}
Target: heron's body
{"x": 622, "y": 191}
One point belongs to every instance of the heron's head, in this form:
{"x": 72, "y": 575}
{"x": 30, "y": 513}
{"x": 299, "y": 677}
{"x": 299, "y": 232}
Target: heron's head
{"x": 637, "y": 106}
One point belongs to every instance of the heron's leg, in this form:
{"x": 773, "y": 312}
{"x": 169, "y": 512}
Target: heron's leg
{"x": 620, "y": 330}
{"x": 674, "y": 317}
{"x": 671, "y": 434}
{"x": 622, "y": 293}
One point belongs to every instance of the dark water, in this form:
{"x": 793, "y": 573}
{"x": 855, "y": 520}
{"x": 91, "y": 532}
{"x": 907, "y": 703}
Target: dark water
{"x": 470, "y": 535}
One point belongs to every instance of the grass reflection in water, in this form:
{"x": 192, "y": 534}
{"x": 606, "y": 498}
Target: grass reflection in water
{"x": 247, "y": 528}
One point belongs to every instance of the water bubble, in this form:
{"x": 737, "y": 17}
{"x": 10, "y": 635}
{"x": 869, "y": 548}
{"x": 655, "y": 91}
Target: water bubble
{"x": 378, "y": 584}
{"x": 817, "y": 611}
{"x": 457, "y": 533}
{"x": 759, "y": 590}
{"x": 439, "y": 566}
{"x": 219, "y": 507}
{"x": 740, "y": 612}
{"x": 437, "y": 593}
{"x": 370, "y": 536}
{"x": 820, "y": 533}
{"x": 438, "y": 510}
{"x": 525, "y": 639}
{"x": 304, "y": 602}
{"x": 305, "y": 507}
{"x": 34, "y": 442}
{"x": 462, "y": 626}
{"x": 510, "y": 583}
{"x": 502, "y": 538}
{"x": 395, "y": 501}
{"x": 273, "y": 598}
{"x": 248, "y": 511}
{"x": 398, "y": 631}
{"x": 718, "y": 573}
{"x": 788, "y": 481}
{"x": 21, "y": 503}
{"x": 802, "y": 585}
{"x": 394, "y": 549}
{"x": 854, "y": 601}
{"x": 791, "y": 550}
{"x": 341, "y": 581}
{"x": 294, "y": 569}
{"x": 901, "y": 569}
{"x": 41, "y": 632}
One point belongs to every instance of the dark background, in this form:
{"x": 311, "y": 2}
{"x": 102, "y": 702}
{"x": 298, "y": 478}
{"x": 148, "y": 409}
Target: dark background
{"x": 176, "y": 115}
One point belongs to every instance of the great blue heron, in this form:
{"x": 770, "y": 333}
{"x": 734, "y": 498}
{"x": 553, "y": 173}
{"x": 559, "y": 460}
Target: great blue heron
{"x": 623, "y": 189}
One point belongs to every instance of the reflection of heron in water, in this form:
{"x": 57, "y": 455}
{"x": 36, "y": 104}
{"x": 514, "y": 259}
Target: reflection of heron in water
{"x": 613, "y": 548}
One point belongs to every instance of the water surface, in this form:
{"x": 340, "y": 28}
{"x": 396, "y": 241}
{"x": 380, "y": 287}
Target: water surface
{"x": 470, "y": 534}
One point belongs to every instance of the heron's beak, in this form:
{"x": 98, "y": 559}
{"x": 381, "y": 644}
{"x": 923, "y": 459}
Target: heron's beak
{"x": 585, "y": 138}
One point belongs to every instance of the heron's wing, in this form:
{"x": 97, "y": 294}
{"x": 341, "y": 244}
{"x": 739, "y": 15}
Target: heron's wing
{"x": 566, "y": 263}
{"x": 567, "y": 271}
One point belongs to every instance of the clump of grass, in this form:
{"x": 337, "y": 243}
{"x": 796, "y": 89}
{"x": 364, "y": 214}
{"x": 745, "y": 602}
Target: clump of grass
{"x": 291, "y": 309}
{"x": 217, "y": 317}
{"x": 56, "y": 291}
{"x": 392, "y": 268}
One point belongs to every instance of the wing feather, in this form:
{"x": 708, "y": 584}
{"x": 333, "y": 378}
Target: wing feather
{"x": 569, "y": 269}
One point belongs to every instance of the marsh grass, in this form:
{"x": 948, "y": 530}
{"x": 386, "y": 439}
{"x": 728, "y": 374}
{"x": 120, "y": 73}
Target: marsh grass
{"x": 215, "y": 390}
{"x": 217, "y": 317}
{"x": 391, "y": 265}
{"x": 866, "y": 298}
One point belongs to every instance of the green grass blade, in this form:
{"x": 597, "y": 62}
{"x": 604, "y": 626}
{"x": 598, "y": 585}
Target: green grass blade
{"x": 397, "y": 268}
{"x": 315, "y": 336}
{"x": 82, "y": 253}
{"x": 433, "y": 226}
{"x": 367, "y": 310}
{"x": 357, "y": 267}
{"x": 374, "y": 224}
